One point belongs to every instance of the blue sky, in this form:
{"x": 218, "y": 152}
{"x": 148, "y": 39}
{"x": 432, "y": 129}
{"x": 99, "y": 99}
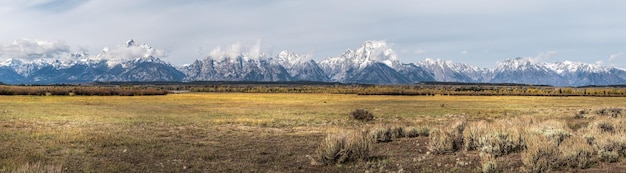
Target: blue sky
{"x": 478, "y": 32}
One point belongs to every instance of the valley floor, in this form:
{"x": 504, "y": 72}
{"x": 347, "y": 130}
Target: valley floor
{"x": 236, "y": 132}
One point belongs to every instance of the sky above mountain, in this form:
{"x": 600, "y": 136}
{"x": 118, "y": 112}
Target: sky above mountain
{"x": 478, "y": 32}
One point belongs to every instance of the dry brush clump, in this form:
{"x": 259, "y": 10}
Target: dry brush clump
{"x": 362, "y": 115}
{"x": 398, "y": 132}
{"x": 441, "y": 141}
{"x": 612, "y": 112}
{"x": 386, "y": 134}
{"x": 38, "y": 167}
{"x": 544, "y": 145}
{"x": 552, "y": 129}
{"x": 381, "y": 134}
{"x": 608, "y": 138}
{"x": 576, "y": 153}
{"x": 610, "y": 147}
{"x": 344, "y": 146}
{"x": 541, "y": 153}
{"x": 583, "y": 114}
{"x": 472, "y": 134}
{"x": 494, "y": 139}
{"x": 501, "y": 141}
{"x": 489, "y": 164}
{"x": 447, "y": 140}
{"x": 412, "y": 132}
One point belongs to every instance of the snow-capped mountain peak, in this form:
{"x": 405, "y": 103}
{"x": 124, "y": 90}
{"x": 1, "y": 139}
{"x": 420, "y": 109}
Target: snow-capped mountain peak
{"x": 372, "y": 62}
{"x": 516, "y": 63}
{"x": 572, "y": 67}
{"x": 149, "y": 59}
{"x": 288, "y": 59}
{"x": 448, "y": 71}
{"x": 130, "y": 43}
{"x": 436, "y": 62}
{"x": 353, "y": 62}
{"x": 13, "y": 63}
{"x": 375, "y": 51}
{"x": 80, "y": 54}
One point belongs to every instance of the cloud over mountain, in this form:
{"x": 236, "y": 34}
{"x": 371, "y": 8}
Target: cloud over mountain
{"x": 28, "y": 49}
{"x": 130, "y": 50}
{"x": 585, "y": 31}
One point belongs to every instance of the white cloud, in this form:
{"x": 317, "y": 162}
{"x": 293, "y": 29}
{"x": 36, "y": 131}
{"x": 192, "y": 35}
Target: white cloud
{"x": 548, "y": 54}
{"x": 130, "y": 50}
{"x": 255, "y": 51}
{"x": 465, "y": 52}
{"x": 419, "y": 51}
{"x": 27, "y": 49}
{"x": 327, "y": 27}
{"x": 237, "y": 49}
{"x": 599, "y": 62}
{"x": 615, "y": 56}
{"x": 543, "y": 56}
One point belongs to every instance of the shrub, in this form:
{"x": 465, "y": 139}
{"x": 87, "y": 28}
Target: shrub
{"x": 553, "y": 130}
{"x": 362, "y": 115}
{"x": 411, "y": 132}
{"x": 540, "y": 155}
{"x": 381, "y": 135}
{"x": 441, "y": 142}
{"x": 457, "y": 131}
{"x": 582, "y": 114}
{"x": 610, "y": 146}
{"x": 417, "y": 131}
{"x": 489, "y": 164}
{"x": 473, "y": 132}
{"x": 397, "y": 132}
{"x": 344, "y": 146}
{"x": 449, "y": 141}
{"x": 500, "y": 143}
{"x": 423, "y": 131}
{"x": 494, "y": 139}
{"x": 613, "y": 112}
{"x": 605, "y": 126}
{"x": 559, "y": 135}
{"x": 576, "y": 153}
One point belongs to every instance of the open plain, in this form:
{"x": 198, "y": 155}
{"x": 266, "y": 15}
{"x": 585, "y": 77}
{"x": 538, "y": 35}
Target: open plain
{"x": 246, "y": 132}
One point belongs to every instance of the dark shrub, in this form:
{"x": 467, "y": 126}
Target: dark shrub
{"x": 362, "y": 115}
{"x": 381, "y": 135}
{"x": 398, "y": 132}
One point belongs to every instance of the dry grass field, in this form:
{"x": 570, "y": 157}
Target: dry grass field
{"x": 232, "y": 132}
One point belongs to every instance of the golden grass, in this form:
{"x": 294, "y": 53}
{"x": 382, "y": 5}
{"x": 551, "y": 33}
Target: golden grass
{"x": 541, "y": 153}
{"x": 172, "y": 132}
{"x": 576, "y": 153}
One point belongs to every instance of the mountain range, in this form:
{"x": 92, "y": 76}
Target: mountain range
{"x": 372, "y": 63}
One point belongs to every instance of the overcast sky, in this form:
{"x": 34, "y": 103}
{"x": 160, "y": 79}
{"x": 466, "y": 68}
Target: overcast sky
{"x": 478, "y": 32}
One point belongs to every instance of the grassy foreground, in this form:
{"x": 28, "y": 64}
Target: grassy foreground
{"x": 230, "y": 132}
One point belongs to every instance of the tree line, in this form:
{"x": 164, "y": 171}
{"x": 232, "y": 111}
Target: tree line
{"x": 416, "y": 90}
{"x": 82, "y": 90}
{"x": 140, "y": 89}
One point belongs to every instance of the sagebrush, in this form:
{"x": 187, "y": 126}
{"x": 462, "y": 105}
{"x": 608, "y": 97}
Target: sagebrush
{"x": 362, "y": 115}
{"x": 344, "y": 146}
